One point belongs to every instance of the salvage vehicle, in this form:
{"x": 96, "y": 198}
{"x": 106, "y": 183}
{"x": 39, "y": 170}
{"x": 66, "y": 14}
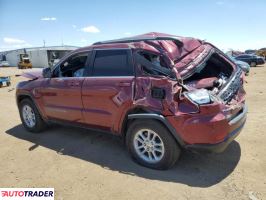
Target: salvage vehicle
{"x": 252, "y": 60}
{"x": 250, "y": 51}
{"x": 161, "y": 93}
{"x": 5, "y": 81}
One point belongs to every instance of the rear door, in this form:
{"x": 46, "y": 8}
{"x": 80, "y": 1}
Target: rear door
{"x": 108, "y": 89}
{"x": 61, "y": 94}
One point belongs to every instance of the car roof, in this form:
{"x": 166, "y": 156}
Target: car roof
{"x": 145, "y": 37}
{"x": 156, "y": 43}
{"x": 137, "y": 41}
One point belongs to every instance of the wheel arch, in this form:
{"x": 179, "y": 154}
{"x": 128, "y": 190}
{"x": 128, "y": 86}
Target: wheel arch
{"x": 21, "y": 97}
{"x": 126, "y": 121}
{"x": 160, "y": 118}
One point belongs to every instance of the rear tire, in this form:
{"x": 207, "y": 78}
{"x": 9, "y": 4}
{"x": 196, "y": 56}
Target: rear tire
{"x": 151, "y": 145}
{"x": 253, "y": 64}
{"x": 30, "y": 116}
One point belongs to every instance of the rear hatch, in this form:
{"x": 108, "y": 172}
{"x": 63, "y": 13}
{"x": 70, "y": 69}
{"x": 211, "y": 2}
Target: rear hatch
{"x": 192, "y": 61}
{"x": 208, "y": 68}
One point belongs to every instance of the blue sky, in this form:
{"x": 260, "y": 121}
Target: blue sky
{"x": 237, "y": 24}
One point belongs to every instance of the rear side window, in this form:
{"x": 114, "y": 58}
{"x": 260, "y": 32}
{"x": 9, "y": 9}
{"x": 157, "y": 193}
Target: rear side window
{"x": 112, "y": 63}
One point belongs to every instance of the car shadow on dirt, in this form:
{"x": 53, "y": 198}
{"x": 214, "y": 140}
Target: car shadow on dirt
{"x": 197, "y": 170}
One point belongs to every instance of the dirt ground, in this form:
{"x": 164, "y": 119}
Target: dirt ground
{"x": 82, "y": 164}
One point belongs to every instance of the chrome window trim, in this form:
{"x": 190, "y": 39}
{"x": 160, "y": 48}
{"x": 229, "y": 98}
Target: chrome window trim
{"x": 109, "y": 77}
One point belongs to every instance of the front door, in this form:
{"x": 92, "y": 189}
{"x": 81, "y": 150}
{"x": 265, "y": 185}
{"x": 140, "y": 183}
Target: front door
{"x": 61, "y": 94}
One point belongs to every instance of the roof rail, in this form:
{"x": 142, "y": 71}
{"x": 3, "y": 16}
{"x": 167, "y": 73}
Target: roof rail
{"x": 136, "y": 39}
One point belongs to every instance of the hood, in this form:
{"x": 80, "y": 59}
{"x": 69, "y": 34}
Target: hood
{"x": 33, "y": 74}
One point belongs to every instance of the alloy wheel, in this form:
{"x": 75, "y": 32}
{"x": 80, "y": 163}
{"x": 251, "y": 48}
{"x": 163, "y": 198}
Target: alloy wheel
{"x": 28, "y": 116}
{"x": 149, "y": 146}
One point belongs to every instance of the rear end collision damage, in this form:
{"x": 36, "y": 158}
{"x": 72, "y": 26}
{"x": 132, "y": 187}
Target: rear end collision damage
{"x": 179, "y": 93}
{"x": 205, "y": 108}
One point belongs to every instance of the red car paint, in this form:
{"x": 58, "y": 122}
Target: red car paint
{"x": 105, "y": 102}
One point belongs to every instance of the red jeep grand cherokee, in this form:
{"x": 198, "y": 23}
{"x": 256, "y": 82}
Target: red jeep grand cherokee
{"x": 160, "y": 92}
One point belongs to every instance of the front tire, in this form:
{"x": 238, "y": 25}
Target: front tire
{"x": 151, "y": 145}
{"x": 30, "y": 116}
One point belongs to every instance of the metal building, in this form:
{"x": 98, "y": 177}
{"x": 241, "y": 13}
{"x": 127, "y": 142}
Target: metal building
{"x": 39, "y": 56}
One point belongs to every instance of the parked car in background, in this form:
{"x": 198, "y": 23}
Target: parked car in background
{"x": 250, "y": 51}
{"x": 252, "y": 60}
{"x": 234, "y": 53}
{"x": 262, "y": 52}
{"x": 145, "y": 89}
{"x": 243, "y": 65}
{"x": 4, "y": 64}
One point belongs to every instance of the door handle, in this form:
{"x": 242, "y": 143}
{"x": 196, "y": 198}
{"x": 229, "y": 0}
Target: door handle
{"x": 123, "y": 84}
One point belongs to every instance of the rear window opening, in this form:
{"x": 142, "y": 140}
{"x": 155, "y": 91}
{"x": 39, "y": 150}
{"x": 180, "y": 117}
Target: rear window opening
{"x": 213, "y": 75}
{"x": 153, "y": 64}
{"x": 154, "y": 59}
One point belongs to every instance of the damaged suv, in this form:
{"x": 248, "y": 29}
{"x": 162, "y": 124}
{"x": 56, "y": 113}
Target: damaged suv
{"x": 160, "y": 92}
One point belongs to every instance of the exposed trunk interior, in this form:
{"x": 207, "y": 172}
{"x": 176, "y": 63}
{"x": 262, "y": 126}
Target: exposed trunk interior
{"x": 212, "y": 76}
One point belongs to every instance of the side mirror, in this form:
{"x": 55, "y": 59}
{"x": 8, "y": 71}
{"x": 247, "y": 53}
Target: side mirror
{"x": 47, "y": 72}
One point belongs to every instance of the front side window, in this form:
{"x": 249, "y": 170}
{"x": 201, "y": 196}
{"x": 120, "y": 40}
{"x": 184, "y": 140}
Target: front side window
{"x": 112, "y": 63}
{"x": 73, "y": 66}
